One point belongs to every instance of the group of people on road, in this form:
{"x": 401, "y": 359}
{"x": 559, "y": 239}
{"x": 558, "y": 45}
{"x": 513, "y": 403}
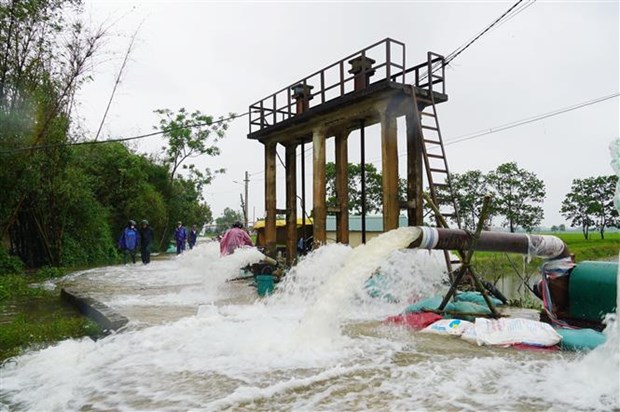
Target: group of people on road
{"x": 182, "y": 236}
{"x": 133, "y": 238}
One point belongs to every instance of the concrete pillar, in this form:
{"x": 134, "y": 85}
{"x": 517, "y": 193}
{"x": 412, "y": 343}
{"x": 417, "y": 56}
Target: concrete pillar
{"x": 291, "y": 203}
{"x": 389, "y": 150}
{"x": 270, "y": 199}
{"x": 415, "y": 212}
{"x": 342, "y": 187}
{"x": 318, "y": 182}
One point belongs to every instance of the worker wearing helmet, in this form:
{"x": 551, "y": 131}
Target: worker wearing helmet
{"x": 146, "y": 241}
{"x": 234, "y": 238}
{"x": 180, "y": 236}
{"x": 191, "y": 237}
{"x": 128, "y": 242}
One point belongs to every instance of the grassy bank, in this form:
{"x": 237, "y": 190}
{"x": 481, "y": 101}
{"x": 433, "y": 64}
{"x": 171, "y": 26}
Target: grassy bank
{"x": 493, "y": 266}
{"x": 36, "y": 317}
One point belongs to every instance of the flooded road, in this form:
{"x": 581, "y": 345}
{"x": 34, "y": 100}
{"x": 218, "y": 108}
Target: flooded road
{"x": 197, "y": 342}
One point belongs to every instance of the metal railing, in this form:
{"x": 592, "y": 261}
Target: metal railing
{"x": 336, "y": 80}
{"x": 425, "y": 76}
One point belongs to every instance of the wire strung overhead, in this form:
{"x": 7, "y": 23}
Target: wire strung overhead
{"x": 514, "y": 10}
{"x": 509, "y": 14}
{"x": 528, "y": 120}
{"x": 122, "y": 139}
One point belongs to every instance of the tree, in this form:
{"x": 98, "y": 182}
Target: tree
{"x": 469, "y": 189}
{"x": 517, "y": 196}
{"x": 229, "y": 216}
{"x": 374, "y": 187}
{"x": 589, "y": 204}
{"x": 189, "y": 135}
{"x": 43, "y": 61}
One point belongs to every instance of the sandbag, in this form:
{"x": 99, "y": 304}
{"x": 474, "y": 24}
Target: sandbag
{"x": 416, "y": 321}
{"x": 424, "y": 304}
{"x": 378, "y": 286}
{"x": 468, "y": 307}
{"x": 580, "y": 339}
{"x": 476, "y": 297}
{"x": 448, "y": 327}
{"x": 460, "y": 308}
{"x": 510, "y": 331}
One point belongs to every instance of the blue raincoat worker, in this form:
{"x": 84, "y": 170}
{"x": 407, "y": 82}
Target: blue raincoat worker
{"x": 180, "y": 236}
{"x": 128, "y": 242}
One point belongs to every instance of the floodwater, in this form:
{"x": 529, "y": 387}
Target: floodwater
{"x": 197, "y": 342}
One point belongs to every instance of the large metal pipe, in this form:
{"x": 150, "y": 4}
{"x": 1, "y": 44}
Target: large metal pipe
{"x": 544, "y": 246}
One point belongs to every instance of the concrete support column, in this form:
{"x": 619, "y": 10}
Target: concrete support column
{"x": 389, "y": 150}
{"x": 270, "y": 199}
{"x": 342, "y": 187}
{"x": 415, "y": 213}
{"x": 320, "y": 210}
{"x": 291, "y": 203}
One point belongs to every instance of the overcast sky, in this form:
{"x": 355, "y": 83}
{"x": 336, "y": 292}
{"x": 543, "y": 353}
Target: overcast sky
{"x": 222, "y": 57}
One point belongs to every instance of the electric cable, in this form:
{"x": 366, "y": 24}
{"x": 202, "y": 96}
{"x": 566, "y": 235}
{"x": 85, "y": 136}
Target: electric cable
{"x": 461, "y": 49}
{"x": 496, "y": 129}
{"x": 123, "y": 139}
{"x": 528, "y": 120}
{"x": 514, "y": 10}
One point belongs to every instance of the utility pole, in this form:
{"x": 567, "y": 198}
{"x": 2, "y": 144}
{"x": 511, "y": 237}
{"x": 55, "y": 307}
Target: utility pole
{"x": 245, "y": 212}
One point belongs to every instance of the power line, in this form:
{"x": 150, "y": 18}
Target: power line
{"x": 513, "y": 11}
{"x": 496, "y": 129}
{"x": 506, "y": 15}
{"x": 528, "y": 120}
{"x": 509, "y": 14}
{"x": 124, "y": 139}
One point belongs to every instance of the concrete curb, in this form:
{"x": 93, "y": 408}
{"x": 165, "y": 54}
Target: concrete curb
{"x": 104, "y": 316}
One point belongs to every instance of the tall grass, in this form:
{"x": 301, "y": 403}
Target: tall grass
{"x": 28, "y": 328}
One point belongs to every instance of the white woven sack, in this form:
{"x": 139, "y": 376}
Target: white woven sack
{"x": 509, "y": 331}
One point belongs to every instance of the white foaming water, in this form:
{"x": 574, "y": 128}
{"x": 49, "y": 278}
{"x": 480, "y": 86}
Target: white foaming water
{"x": 320, "y": 322}
{"x": 243, "y": 353}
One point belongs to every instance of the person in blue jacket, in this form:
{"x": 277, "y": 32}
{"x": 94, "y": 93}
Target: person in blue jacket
{"x": 128, "y": 242}
{"x": 180, "y": 235}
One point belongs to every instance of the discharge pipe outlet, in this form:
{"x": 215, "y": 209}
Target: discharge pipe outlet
{"x": 543, "y": 246}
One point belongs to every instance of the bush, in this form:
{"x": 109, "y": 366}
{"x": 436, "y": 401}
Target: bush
{"x": 10, "y": 265}
{"x": 50, "y": 272}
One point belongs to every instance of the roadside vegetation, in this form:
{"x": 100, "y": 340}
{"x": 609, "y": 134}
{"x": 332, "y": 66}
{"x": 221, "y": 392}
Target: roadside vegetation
{"x": 65, "y": 199}
{"x": 32, "y": 316}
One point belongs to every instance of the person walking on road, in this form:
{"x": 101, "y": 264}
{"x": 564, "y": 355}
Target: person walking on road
{"x": 146, "y": 241}
{"x": 128, "y": 242}
{"x": 191, "y": 237}
{"x": 180, "y": 236}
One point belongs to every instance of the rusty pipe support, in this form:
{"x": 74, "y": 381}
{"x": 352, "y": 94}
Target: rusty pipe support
{"x": 543, "y": 246}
